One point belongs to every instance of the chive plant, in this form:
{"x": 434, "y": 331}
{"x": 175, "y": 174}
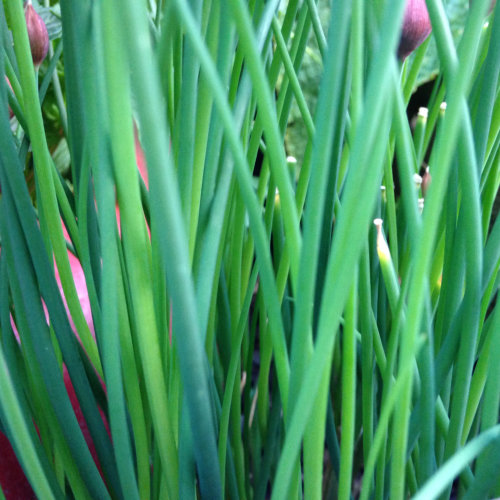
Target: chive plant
{"x": 221, "y": 322}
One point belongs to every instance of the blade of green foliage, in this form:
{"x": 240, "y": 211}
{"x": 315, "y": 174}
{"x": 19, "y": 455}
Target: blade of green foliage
{"x": 231, "y": 287}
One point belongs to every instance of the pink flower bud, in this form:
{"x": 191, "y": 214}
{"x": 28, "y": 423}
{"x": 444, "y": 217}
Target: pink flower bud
{"x": 416, "y": 27}
{"x": 37, "y": 33}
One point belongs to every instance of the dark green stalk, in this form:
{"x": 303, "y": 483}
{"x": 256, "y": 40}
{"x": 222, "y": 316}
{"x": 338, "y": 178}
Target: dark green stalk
{"x": 488, "y": 93}
{"x": 135, "y": 243}
{"x": 36, "y": 336}
{"x": 203, "y": 120}
{"x": 487, "y": 464}
{"x": 443, "y": 151}
{"x": 473, "y": 253}
{"x": 381, "y": 432}
{"x": 254, "y": 211}
{"x": 302, "y": 340}
{"x": 185, "y": 126}
{"x": 43, "y": 167}
{"x": 344, "y": 249}
{"x": 232, "y": 379}
{"x": 165, "y": 209}
{"x": 294, "y": 82}
{"x": 272, "y": 134}
{"x": 443, "y": 478}
{"x": 318, "y": 30}
{"x": 367, "y": 357}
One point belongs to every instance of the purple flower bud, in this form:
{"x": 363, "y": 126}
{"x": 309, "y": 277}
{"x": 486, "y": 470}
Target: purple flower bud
{"x": 37, "y": 34}
{"x": 416, "y": 27}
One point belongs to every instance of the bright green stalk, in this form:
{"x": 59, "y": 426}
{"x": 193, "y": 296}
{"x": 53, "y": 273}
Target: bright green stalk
{"x": 348, "y": 397}
{"x": 205, "y": 262}
{"x": 39, "y": 350}
{"x": 318, "y": 30}
{"x": 187, "y": 465}
{"x": 115, "y": 391}
{"x": 56, "y": 85}
{"x": 136, "y": 245}
{"x": 274, "y": 70}
{"x": 116, "y": 356}
{"x": 236, "y": 249}
{"x": 346, "y": 246}
{"x": 380, "y": 436}
{"x": 185, "y": 127}
{"x": 489, "y": 185}
{"x": 357, "y": 57}
{"x": 495, "y": 127}
{"x": 489, "y": 415}
{"x": 452, "y": 272}
{"x": 470, "y": 211}
{"x": 46, "y": 286}
{"x": 443, "y": 151}
{"x": 396, "y": 303}
{"x": 478, "y": 383}
{"x": 288, "y": 90}
{"x": 272, "y": 134}
{"x": 114, "y": 314}
{"x": 426, "y": 462}
{"x": 314, "y": 442}
{"x": 491, "y": 256}
{"x": 443, "y": 478}
{"x": 203, "y": 110}
{"x": 43, "y": 168}
{"x": 264, "y": 372}
{"x": 252, "y": 205}
{"x": 367, "y": 369}
{"x": 489, "y": 90}
{"x": 296, "y": 54}
{"x": 326, "y": 127}
{"x": 134, "y": 400}
{"x": 165, "y": 207}
{"x": 232, "y": 379}
{"x": 294, "y": 81}
{"x": 414, "y": 71}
